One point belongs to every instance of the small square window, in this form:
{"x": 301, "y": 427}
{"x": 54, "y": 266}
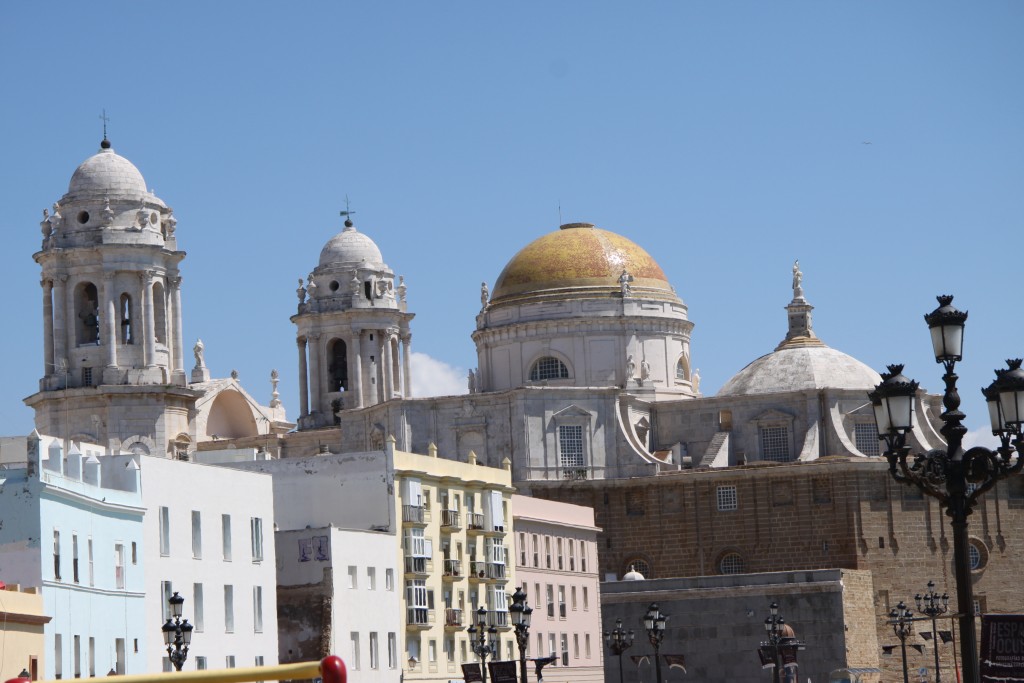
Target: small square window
{"x": 727, "y": 499}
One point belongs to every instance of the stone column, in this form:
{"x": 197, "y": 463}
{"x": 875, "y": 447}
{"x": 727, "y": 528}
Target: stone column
{"x": 356, "y": 374}
{"x": 60, "y": 319}
{"x": 315, "y": 381}
{"x": 47, "y": 285}
{"x": 303, "y": 382}
{"x": 147, "y": 306}
{"x": 406, "y": 374}
{"x": 177, "y": 344}
{"x": 109, "y": 318}
{"x": 388, "y": 362}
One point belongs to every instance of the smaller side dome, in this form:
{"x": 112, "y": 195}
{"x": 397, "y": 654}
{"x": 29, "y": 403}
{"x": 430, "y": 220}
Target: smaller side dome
{"x": 350, "y": 246}
{"x": 107, "y": 174}
{"x": 633, "y": 575}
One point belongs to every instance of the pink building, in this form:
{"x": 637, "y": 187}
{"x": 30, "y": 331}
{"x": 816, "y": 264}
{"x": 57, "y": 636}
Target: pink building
{"x": 556, "y": 564}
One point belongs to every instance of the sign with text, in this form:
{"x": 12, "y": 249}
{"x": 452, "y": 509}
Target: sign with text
{"x": 471, "y": 673}
{"x": 503, "y": 672}
{"x": 1002, "y": 648}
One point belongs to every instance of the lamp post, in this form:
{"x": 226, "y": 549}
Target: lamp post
{"x": 177, "y": 633}
{"x": 483, "y": 640}
{"x": 655, "y": 623}
{"x": 933, "y": 605}
{"x": 774, "y": 626}
{"x": 619, "y": 641}
{"x": 902, "y": 621}
{"x": 946, "y": 474}
{"x": 521, "y": 614}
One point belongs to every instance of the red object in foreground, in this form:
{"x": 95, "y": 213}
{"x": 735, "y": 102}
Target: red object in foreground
{"x": 332, "y": 669}
{"x": 18, "y": 680}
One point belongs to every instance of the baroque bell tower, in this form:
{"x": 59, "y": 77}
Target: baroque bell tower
{"x": 113, "y": 362}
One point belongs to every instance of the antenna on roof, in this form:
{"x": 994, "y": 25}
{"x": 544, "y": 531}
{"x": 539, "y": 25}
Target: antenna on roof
{"x": 347, "y": 213}
{"x": 103, "y": 117}
{"x": 559, "y": 213}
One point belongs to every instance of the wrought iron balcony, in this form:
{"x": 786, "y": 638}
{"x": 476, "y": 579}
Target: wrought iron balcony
{"x": 452, "y": 617}
{"x": 474, "y": 522}
{"x": 413, "y": 514}
{"x": 417, "y": 566}
{"x": 453, "y": 569}
{"x": 450, "y": 519}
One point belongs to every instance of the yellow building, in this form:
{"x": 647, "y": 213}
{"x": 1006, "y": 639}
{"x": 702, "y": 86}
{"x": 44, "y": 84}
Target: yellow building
{"x": 21, "y": 631}
{"x": 456, "y": 527}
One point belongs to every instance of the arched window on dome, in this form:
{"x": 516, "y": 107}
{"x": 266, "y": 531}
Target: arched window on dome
{"x": 337, "y": 353}
{"x": 682, "y": 370}
{"x": 731, "y": 563}
{"x": 548, "y": 367}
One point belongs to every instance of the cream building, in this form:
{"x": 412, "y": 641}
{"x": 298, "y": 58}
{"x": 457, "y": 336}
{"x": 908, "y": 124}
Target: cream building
{"x": 22, "y": 617}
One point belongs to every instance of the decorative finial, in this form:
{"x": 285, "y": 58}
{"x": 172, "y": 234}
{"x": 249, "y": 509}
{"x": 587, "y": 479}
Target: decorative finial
{"x": 105, "y": 144}
{"x": 347, "y": 213}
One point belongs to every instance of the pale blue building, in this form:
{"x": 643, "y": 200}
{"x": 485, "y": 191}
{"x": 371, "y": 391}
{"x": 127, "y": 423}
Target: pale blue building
{"x": 73, "y": 524}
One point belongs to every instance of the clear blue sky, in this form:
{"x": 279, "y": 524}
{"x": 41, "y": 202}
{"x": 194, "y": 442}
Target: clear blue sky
{"x": 727, "y": 138}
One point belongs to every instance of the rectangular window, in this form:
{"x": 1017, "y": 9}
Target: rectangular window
{"x": 570, "y": 451}
{"x": 536, "y": 555}
{"x": 432, "y": 651}
{"x": 564, "y": 641}
{"x": 550, "y": 594}
{"x": 522, "y": 549}
{"x": 165, "y": 531}
{"x": 197, "y": 607}
{"x": 371, "y": 578}
{"x": 353, "y": 576}
{"x": 353, "y": 662}
{"x": 583, "y": 556}
{"x": 257, "y": 609}
{"x": 92, "y": 656}
{"x": 389, "y": 579}
{"x": 229, "y": 662}
{"x": 119, "y": 656}
{"x": 561, "y": 556}
{"x": 197, "y": 535}
{"x": 586, "y": 644}
{"x": 463, "y": 656}
{"x": 74, "y": 558}
{"x": 201, "y": 663}
{"x": 374, "y": 652}
{"x": 561, "y": 602}
{"x": 575, "y": 646}
{"x": 135, "y": 552}
{"x": 166, "y": 590}
{"x": 56, "y": 555}
{"x": 572, "y": 555}
{"x": 573, "y": 596}
{"x": 775, "y": 444}
{"x": 92, "y": 568}
{"x": 58, "y": 656}
{"x": 225, "y": 535}
{"x": 229, "y": 609}
{"x": 118, "y": 565}
{"x": 547, "y": 552}
{"x": 727, "y": 499}
{"x": 586, "y": 599}
{"x": 392, "y": 651}
{"x": 77, "y": 645}
{"x": 551, "y": 646}
{"x": 865, "y": 436}
{"x": 256, "y": 528}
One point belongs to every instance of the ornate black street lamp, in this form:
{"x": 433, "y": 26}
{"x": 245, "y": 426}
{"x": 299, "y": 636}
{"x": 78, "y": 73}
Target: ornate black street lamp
{"x": 902, "y": 621}
{"x": 521, "y": 614}
{"x": 933, "y": 605}
{"x": 655, "y": 623}
{"x": 177, "y": 633}
{"x": 619, "y": 641}
{"x": 957, "y": 479}
{"x": 483, "y": 639}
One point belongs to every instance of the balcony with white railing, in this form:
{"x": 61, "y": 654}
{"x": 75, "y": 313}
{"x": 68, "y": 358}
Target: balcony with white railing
{"x": 413, "y": 515}
{"x": 477, "y": 570}
{"x": 498, "y": 619}
{"x": 474, "y": 522}
{"x": 496, "y": 571}
{"x": 452, "y": 570}
{"x": 450, "y": 520}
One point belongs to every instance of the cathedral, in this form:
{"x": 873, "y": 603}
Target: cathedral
{"x": 585, "y": 382}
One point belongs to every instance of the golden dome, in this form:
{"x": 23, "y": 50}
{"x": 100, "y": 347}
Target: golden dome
{"x": 579, "y": 258}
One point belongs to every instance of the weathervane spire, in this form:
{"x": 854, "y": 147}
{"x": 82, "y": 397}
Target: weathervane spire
{"x": 103, "y": 117}
{"x": 347, "y": 213}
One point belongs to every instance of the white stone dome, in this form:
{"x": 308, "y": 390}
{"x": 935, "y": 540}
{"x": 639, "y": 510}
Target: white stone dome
{"x": 801, "y": 368}
{"x": 107, "y": 174}
{"x": 350, "y": 246}
{"x": 633, "y": 575}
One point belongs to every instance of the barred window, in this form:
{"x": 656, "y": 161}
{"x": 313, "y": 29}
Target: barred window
{"x": 775, "y": 444}
{"x": 570, "y": 444}
{"x": 549, "y": 367}
{"x": 727, "y": 499}
{"x": 681, "y": 370}
{"x": 732, "y": 563}
{"x": 865, "y": 436}
{"x": 640, "y": 566}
